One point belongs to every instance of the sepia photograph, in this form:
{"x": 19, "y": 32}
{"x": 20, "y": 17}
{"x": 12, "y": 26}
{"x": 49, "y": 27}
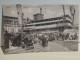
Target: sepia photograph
{"x": 40, "y": 28}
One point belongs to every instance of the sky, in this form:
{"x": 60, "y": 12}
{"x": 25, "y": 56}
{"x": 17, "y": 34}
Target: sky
{"x": 49, "y": 11}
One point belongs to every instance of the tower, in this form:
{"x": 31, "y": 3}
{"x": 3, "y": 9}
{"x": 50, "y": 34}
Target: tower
{"x": 38, "y": 16}
{"x": 40, "y": 10}
{"x": 19, "y": 12}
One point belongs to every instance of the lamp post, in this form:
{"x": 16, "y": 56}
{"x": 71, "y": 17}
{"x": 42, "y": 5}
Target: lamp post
{"x": 20, "y": 19}
{"x": 61, "y": 29}
{"x": 22, "y": 27}
{"x": 72, "y": 10}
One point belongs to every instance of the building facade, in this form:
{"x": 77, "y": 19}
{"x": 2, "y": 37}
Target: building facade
{"x": 51, "y": 24}
{"x": 11, "y": 24}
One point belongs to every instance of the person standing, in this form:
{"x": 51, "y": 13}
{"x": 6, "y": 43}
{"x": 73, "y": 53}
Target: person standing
{"x": 6, "y": 38}
{"x": 44, "y": 41}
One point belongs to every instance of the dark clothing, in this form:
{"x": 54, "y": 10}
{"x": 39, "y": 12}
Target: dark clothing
{"x": 6, "y": 38}
{"x": 44, "y": 42}
{"x": 51, "y": 38}
{"x": 28, "y": 43}
{"x": 17, "y": 41}
{"x": 67, "y": 36}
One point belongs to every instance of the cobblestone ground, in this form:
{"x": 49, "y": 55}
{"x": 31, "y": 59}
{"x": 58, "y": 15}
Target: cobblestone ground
{"x": 52, "y": 47}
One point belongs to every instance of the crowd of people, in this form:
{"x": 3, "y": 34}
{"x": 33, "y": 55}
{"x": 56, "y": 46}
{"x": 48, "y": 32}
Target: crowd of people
{"x": 43, "y": 39}
{"x": 59, "y": 36}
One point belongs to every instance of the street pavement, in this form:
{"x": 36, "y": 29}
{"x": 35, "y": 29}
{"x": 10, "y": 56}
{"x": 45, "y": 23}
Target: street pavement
{"x": 52, "y": 47}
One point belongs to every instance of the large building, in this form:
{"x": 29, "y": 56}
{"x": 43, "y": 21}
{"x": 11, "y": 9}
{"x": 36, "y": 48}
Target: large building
{"x": 11, "y": 24}
{"x": 51, "y": 24}
{"x": 38, "y": 24}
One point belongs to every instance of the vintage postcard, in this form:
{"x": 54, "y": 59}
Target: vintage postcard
{"x": 40, "y": 28}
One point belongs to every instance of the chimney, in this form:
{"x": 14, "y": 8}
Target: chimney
{"x": 63, "y": 9}
{"x": 40, "y": 10}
